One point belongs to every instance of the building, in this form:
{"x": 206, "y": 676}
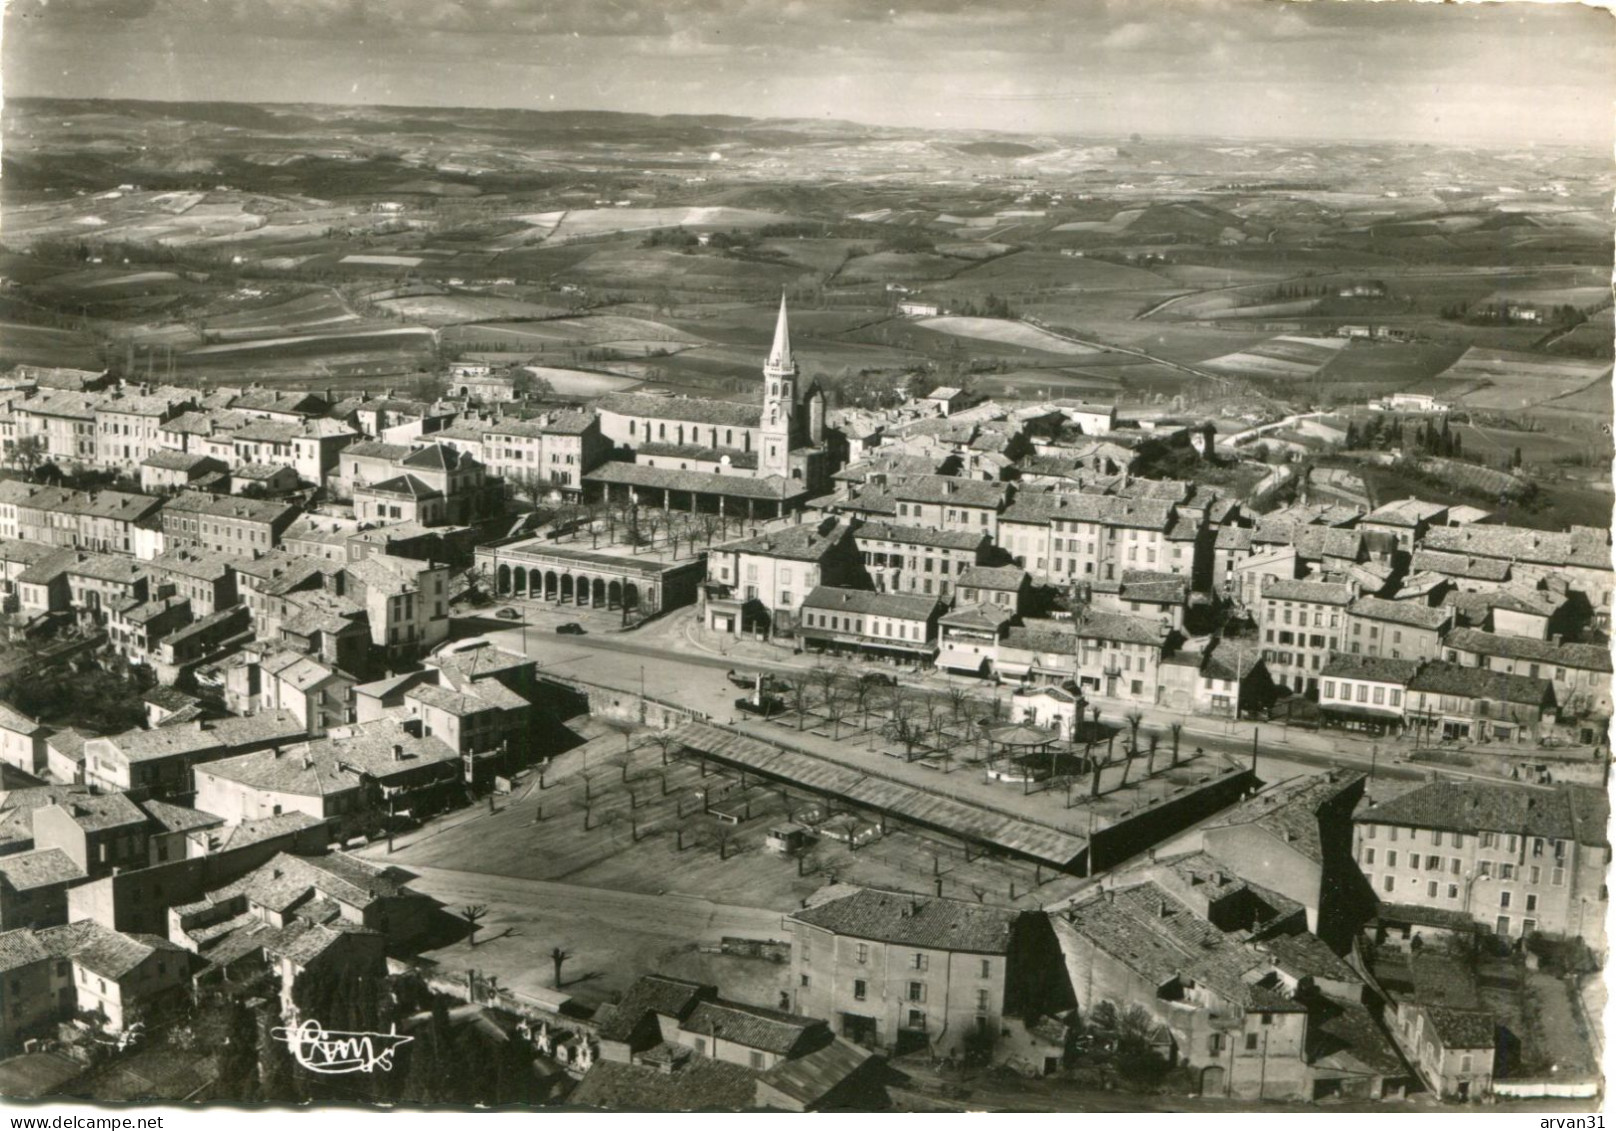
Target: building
{"x": 434, "y": 485}
{"x": 1451, "y": 701}
{"x": 1407, "y": 520}
{"x": 157, "y": 763}
{"x": 917, "y": 560}
{"x": 658, "y": 1011}
{"x": 759, "y": 584}
{"x": 387, "y": 767}
{"x": 545, "y": 456}
{"x": 1580, "y": 673}
{"x": 136, "y": 629}
{"x": 886, "y": 625}
{"x": 901, "y": 972}
{"x": 22, "y": 741}
{"x": 406, "y": 602}
{"x": 205, "y": 578}
{"x": 969, "y": 638}
{"x": 549, "y": 571}
{"x": 1161, "y": 596}
{"x": 128, "y": 424}
{"x": 1516, "y": 859}
{"x": 1581, "y": 556}
{"x": 113, "y": 975}
{"x": 1368, "y": 693}
{"x": 33, "y": 887}
{"x": 167, "y": 472}
{"x": 1303, "y": 625}
{"x": 1396, "y": 629}
{"x": 228, "y": 525}
{"x": 99, "y": 833}
{"x": 1008, "y": 587}
{"x": 1064, "y": 538}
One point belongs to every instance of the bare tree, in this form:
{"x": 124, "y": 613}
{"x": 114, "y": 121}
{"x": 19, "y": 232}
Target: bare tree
{"x": 474, "y": 913}
{"x": 586, "y": 806}
{"x": 621, "y": 762}
{"x": 799, "y": 683}
{"x": 1176, "y": 729}
{"x": 668, "y": 743}
{"x": 558, "y": 957}
{"x": 904, "y": 728}
{"x": 29, "y": 452}
{"x": 862, "y": 691}
{"x": 724, "y": 834}
{"x": 958, "y": 700}
{"x": 834, "y": 690}
{"x": 628, "y": 728}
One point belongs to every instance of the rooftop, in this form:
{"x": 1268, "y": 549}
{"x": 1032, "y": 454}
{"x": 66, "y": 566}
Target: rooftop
{"x": 1410, "y": 613}
{"x": 1475, "y": 807}
{"x": 907, "y": 920}
{"x": 809, "y": 542}
{"x": 1479, "y": 683}
{"x": 1380, "y": 669}
{"x": 688, "y": 409}
{"x": 862, "y": 601}
{"x": 1585, "y": 657}
{"x": 1318, "y": 592}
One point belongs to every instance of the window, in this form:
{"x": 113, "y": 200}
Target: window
{"x": 1486, "y": 871}
{"x": 1535, "y": 874}
{"x": 1430, "y": 889}
{"x": 1214, "y": 1044}
{"x": 803, "y": 982}
{"x": 982, "y": 1001}
{"x": 863, "y": 953}
{"x": 1389, "y": 883}
{"x": 756, "y": 1058}
{"x": 917, "y": 991}
{"x": 1369, "y": 856}
{"x": 1537, "y": 846}
{"x": 1453, "y": 891}
{"x": 1267, "y": 1018}
{"x": 987, "y": 968}
{"x": 1251, "y": 1042}
{"x": 917, "y": 1019}
{"x": 1531, "y": 902}
{"x": 918, "y": 961}
{"x": 1454, "y": 865}
{"x": 1503, "y": 899}
{"x": 1557, "y": 877}
{"x": 1391, "y": 858}
{"x": 860, "y": 989}
{"x": 1464, "y": 1063}
{"x": 1506, "y": 871}
{"x": 1373, "y": 830}
{"x": 1329, "y": 689}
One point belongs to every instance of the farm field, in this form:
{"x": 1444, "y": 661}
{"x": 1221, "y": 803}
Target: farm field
{"x": 588, "y": 222}
{"x": 1517, "y": 380}
{"x": 581, "y": 383}
{"x": 634, "y": 267}
{"x": 453, "y": 309}
{"x": 1583, "y": 298}
{"x": 21, "y": 344}
{"x": 1039, "y": 272}
{"x": 1391, "y": 364}
{"x": 1005, "y": 332}
{"x": 900, "y": 267}
{"x": 1283, "y": 356}
{"x": 587, "y": 330}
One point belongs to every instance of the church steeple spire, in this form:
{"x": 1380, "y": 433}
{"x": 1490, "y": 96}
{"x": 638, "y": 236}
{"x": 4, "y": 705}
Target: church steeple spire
{"x": 780, "y": 363}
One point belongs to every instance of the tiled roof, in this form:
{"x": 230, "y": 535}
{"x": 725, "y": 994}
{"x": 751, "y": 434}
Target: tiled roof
{"x": 1122, "y": 628}
{"x": 938, "y": 924}
{"x": 376, "y": 449}
{"x": 919, "y": 535}
{"x": 1003, "y": 578}
{"x": 94, "y": 812}
{"x": 1290, "y": 810}
{"x": 266, "y": 828}
{"x": 1580, "y": 546}
{"x": 407, "y": 486}
{"x": 731, "y": 456}
{"x": 20, "y": 948}
{"x": 204, "y": 565}
{"x": 1380, "y": 669}
{"x": 950, "y": 490}
{"x": 1405, "y": 512}
{"x": 1328, "y": 542}
{"x": 1230, "y": 659}
{"x": 178, "y": 461}
{"x": 652, "y": 993}
{"x": 1319, "y": 592}
{"x": 701, "y": 482}
{"x": 1410, "y": 613}
{"x": 333, "y": 764}
{"x": 178, "y": 818}
{"x": 750, "y": 1025}
{"x": 1109, "y": 510}
{"x": 101, "y": 950}
{"x": 808, "y": 1079}
{"x": 230, "y": 506}
{"x": 691, "y": 410}
{"x": 210, "y": 734}
{"x": 1305, "y": 955}
{"x": 1479, "y": 683}
{"x": 18, "y": 723}
{"x": 979, "y": 615}
{"x": 699, "y": 1083}
{"x": 282, "y": 881}
{"x": 1460, "y": 565}
{"x": 1474, "y": 807}
{"x": 437, "y": 457}
{"x": 809, "y": 542}
{"x": 269, "y": 432}
{"x": 44, "y": 867}
{"x": 1584, "y": 657}
{"x": 1463, "y": 1028}
{"x": 901, "y": 605}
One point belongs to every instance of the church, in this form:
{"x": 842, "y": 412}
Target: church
{"x": 720, "y": 457}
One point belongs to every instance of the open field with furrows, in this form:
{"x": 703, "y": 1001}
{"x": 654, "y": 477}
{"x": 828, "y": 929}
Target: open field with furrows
{"x": 1594, "y": 338}
{"x": 22, "y": 344}
{"x": 456, "y": 308}
{"x": 900, "y": 267}
{"x": 1030, "y": 383}
{"x": 1496, "y": 445}
{"x": 634, "y": 269}
{"x": 585, "y": 330}
{"x": 1583, "y": 298}
{"x": 1391, "y": 365}
{"x": 822, "y": 255}
{"x": 1283, "y": 356}
{"x": 586, "y": 222}
{"x": 1517, "y": 380}
{"x": 316, "y": 356}
{"x": 1005, "y": 332}
{"x": 1041, "y": 273}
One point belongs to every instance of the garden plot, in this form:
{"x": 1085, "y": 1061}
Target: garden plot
{"x": 1005, "y": 332}
{"x": 1284, "y": 356}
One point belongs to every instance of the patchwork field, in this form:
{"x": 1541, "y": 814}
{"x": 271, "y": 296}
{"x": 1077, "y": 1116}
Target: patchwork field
{"x": 1005, "y": 332}
{"x": 41, "y": 345}
{"x": 1284, "y": 356}
{"x": 899, "y": 266}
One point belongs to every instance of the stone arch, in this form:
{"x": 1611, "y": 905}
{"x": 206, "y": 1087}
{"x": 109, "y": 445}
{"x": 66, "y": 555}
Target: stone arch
{"x": 631, "y": 595}
{"x": 566, "y": 588}
{"x": 598, "y": 593}
{"x": 550, "y": 585}
{"x": 503, "y": 583}
{"x": 464, "y": 391}
{"x": 519, "y": 581}
{"x": 614, "y": 595}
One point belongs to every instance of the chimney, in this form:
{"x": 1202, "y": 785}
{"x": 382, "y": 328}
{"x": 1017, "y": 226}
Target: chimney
{"x": 398, "y": 752}
{"x": 1556, "y": 638}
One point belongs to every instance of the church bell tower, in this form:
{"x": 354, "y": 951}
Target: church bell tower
{"x": 779, "y": 402}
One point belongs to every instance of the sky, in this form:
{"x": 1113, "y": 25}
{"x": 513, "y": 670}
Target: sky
{"x": 1505, "y": 73}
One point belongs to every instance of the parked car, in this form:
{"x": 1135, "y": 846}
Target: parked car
{"x": 879, "y": 679}
{"x": 571, "y": 628}
{"x": 508, "y": 614}
{"x": 749, "y": 680}
{"x": 764, "y": 706}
